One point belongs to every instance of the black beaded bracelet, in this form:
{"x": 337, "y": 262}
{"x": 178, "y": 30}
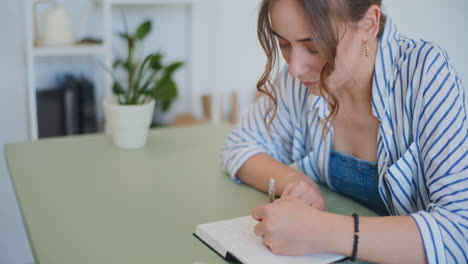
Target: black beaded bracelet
{"x": 356, "y": 237}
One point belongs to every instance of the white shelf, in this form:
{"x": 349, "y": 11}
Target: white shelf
{"x": 104, "y": 49}
{"x": 72, "y": 50}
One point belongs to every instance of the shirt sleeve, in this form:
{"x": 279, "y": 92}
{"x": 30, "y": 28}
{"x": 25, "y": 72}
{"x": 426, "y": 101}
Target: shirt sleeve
{"x": 442, "y": 144}
{"x": 251, "y": 137}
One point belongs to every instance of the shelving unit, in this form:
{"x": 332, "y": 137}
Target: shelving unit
{"x": 75, "y": 50}
{"x": 103, "y": 50}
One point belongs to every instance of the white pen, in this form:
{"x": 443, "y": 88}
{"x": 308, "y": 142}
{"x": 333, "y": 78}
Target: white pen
{"x": 271, "y": 190}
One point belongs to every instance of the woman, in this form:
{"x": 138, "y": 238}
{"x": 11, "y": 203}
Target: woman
{"x": 372, "y": 114}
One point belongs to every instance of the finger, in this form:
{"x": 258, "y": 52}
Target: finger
{"x": 258, "y": 212}
{"x": 259, "y": 230}
{"x": 267, "y": 240}
{"x": 317, "y": 206}
{"x": 287, "y": 189}
{"x": 298, "y": 190}
{"x": 320, "y": 204}
{"x": 309, "y": 197}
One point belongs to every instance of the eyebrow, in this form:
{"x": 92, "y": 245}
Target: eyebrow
{"x": 299, "y": 40}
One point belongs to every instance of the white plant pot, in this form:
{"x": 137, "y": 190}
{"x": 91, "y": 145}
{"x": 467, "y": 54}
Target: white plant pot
{"x": 129, "y": 124}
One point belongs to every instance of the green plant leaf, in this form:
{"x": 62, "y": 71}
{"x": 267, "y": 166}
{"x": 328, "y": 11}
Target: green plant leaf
{"x": 144, "y": 64}
{"x": 127, "y": 65}
{"x": 147, "y": 79}
{"x": 143, "y": 30}
{"x": 150, "y": 73}
{"x": 148, "y": 93}
{"x": 165, "y": 91}
{"x": 123, "y": 35}
{"x": 141, "y": 72}
{"x": 117, "y": 89}
{"x": 165, "y": 105}
{"x": 155, "y": 62}
{"x": 172, "y": 68}
{"x": 117, "y": 63}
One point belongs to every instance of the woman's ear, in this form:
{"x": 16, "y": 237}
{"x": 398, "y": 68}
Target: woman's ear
{"x": 370, "y": 23}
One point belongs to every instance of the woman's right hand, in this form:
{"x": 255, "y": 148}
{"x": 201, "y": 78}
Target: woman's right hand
{"x": 305, "y": 191}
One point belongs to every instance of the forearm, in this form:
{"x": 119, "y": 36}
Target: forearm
{"x": 259, "y": 169}
{"x": 392, "y": 239}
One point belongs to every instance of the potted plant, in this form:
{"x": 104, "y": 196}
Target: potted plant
{"x": 149, "y": 85}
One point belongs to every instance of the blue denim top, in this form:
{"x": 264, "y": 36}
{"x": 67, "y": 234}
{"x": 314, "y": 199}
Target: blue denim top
{"x": 357, "y": 179}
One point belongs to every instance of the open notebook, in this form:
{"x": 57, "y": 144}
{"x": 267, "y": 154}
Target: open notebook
{"x": 235, "y": 239}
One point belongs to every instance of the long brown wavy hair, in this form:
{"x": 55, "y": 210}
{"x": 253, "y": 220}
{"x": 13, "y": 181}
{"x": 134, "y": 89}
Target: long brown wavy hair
{"x": 320, "y": 14}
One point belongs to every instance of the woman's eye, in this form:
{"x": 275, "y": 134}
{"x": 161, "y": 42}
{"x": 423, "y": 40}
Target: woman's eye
{"x": 312, "y": 50}
{"x": 284, "y": 45}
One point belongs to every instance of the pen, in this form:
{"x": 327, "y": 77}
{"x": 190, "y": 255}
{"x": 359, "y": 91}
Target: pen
{"x": 271, "y": 190}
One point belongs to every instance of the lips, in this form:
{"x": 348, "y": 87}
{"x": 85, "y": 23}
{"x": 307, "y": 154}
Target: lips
{"x": 311, "y": 84}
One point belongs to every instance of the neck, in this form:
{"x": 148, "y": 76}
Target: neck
{"x": 360, "y": 89}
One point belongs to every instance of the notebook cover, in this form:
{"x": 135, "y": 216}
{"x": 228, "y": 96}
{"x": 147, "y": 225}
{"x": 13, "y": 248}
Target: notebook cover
{"x": 229, "y": 257}
{"x": 232, "y": 259}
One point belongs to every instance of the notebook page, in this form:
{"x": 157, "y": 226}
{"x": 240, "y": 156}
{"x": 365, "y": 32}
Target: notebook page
{"x": 258, "y": 253}
{"x": 231, "y": 233}
{"x": 238, "y": 237}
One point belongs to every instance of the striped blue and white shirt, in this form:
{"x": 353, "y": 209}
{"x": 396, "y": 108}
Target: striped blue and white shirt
{"x": 422, "y": 139}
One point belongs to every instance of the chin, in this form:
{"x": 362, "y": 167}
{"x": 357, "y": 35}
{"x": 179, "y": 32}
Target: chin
{"x": 314, "y": 90}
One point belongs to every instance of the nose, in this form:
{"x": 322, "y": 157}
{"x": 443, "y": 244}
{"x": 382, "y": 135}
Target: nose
{"x": 298, "y": 64}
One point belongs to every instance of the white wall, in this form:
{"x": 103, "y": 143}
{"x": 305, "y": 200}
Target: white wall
{"x": 232, "y": 60}
{"x": 239, "y": 57}
{"x": 14, "y": 247}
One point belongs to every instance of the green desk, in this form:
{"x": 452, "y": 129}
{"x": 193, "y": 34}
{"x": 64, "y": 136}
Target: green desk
{"x": 85, "y": 201}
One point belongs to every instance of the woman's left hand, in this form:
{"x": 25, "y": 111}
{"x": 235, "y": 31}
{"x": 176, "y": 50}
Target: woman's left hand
{"x": 307, "y": 192}
{"x": 291, "y": 227}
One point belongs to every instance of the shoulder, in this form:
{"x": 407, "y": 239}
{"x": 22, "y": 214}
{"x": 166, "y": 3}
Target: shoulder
{"x": 424, "y": 67}
{"x": 423, "y": 57}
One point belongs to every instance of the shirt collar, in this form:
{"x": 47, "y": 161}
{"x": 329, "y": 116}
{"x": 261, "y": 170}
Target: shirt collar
{"x": 387, "y": 52}
{"x": 386, "y": 59}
